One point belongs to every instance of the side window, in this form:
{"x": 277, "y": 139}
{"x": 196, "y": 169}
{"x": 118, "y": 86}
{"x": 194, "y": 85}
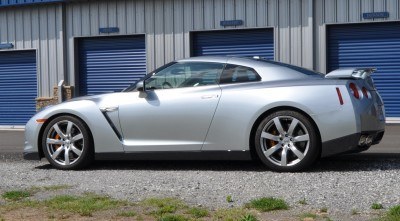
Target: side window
{"x": 238, "y": 74}
{"x": 187, "y": 74}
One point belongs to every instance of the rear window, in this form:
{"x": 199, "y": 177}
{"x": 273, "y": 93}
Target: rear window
{"x": 293, "y": 67}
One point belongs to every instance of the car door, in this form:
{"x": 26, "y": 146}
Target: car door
{"x": 175, "y": 111}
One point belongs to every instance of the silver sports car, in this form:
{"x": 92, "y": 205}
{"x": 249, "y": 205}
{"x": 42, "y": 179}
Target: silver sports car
{"x": 216, "y": 108}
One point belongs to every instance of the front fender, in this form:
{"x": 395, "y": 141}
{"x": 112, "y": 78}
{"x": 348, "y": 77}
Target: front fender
{"x": 105, "y": 140}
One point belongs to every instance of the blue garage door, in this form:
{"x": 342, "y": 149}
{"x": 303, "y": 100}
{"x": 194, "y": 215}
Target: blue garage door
{"x": 110, "y": 64}
{"x": 253, "y": 42}
{"x": 366, "y": 45}
{"x": 18, "y": 87}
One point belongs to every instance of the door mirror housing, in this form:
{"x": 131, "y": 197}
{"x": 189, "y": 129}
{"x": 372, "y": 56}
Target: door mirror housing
{"x": 140, "y": 86}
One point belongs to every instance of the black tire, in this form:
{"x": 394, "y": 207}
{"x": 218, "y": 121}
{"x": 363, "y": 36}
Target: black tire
{"x": 298, "y": 144}
{"x": 57, "y": 143}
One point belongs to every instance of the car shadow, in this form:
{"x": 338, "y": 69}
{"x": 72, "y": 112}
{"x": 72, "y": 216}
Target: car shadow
{"x": 342, "y": 163}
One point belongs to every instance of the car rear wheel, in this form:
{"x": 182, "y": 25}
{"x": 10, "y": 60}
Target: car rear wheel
{"x": 286, "y": 141}
{"x": 66, "y": 143}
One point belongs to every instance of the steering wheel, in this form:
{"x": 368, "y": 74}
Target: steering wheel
{"x": 166, "y": 85}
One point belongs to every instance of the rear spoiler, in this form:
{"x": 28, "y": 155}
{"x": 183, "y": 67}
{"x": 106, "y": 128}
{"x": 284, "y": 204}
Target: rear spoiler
{"x": 355, "y": 73}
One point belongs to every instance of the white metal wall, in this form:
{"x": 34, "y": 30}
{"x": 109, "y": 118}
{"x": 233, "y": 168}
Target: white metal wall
{"x": 168, "y": 23}
{"x": 37, "y": 27}
{"x": 346, "y": 11}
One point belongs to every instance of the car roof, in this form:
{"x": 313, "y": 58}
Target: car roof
{"x": 246, "y": 61}
{"x": 280, "y": 70}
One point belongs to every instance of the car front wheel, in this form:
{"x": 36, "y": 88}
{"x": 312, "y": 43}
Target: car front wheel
{"x": 286, "y": 141}
{"x": 66, "y": 143}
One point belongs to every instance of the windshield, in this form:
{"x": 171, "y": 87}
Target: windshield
{"x": 132, "y": 87}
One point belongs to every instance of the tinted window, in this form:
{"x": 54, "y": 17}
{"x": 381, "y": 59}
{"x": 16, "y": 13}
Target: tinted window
{"x": 295, "y": 68}
{"x": 238, "y": 74}
{"x": 188, "y": 74}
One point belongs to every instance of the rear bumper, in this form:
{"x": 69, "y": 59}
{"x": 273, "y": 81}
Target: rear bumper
{"x": 349, "y": 144}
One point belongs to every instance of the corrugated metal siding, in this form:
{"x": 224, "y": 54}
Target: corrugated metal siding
{"x": 110, "y": 63}
{"x": 366, "y": 45}
{"x": 40, "y": 28}
{"x": 18, "y": 88}
{"x": 346, "y": 11}
{"x": 4, "y": 3}
{"x": 256, "y": 42}
{"x": 168, "y": 23}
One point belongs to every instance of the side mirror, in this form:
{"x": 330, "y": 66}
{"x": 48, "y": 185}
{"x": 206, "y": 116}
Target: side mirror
{"x": 140, "y": 86}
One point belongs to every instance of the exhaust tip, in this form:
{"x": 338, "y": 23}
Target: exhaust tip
{"x": 362, "y": 140}
{"x": 368, "y": 140}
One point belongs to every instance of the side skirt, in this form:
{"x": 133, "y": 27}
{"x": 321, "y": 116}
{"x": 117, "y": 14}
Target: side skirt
{"x": 176, "y": 155}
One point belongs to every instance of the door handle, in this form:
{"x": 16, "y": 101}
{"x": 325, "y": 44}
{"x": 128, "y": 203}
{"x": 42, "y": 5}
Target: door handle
{"x": 209, "y": 96}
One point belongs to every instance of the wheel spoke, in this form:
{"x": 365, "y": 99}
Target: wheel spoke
{"x": 77, "y": 137}
{"x": 66, "y": 156}
{"x": 76, "y": 150}
{"x": 284, "y": 157}
{"x": 279, "y": 125}
{"x": 57, "y": 152}
{"x": 293, "y": 126}
{"x": 297, "y": 152}
{"x": 272, "y": 150}
{"x": 58, "y": 130}
{"x": 69, "y": 128}
{"x": 54, "y": 141}
{"x": 269, "y": 136}
{"x": 301, "y": 138}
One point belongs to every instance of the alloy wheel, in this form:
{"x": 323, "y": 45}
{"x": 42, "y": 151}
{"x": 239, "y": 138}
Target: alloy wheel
{"x": 285, "y": 141}
{"x": 65, "y": 142}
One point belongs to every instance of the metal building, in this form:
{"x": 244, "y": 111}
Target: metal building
{"x": 104, "y": 45}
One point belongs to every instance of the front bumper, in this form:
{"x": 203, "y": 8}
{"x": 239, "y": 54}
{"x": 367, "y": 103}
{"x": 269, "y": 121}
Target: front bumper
{"x": 31, "y": 150}
{"x": 32, "y": 156}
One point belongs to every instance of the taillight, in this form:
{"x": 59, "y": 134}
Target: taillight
{"x": 365, "y": 92}
{"x": 354, "y": 90}
{"x": 339, "y": 96}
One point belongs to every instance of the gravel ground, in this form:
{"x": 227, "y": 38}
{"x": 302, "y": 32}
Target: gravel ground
{"x": 341, "y": 184}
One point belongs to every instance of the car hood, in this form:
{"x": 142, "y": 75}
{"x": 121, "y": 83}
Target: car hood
{"x": 95, "y": 98}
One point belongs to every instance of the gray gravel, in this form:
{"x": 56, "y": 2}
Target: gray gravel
{"x": 341, "y": 184}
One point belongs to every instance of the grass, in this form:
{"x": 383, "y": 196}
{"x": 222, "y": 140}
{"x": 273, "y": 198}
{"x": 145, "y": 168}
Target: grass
{"x": 267, "y": 204}
{"x": 392, "y": 215}
{"x": 354, "y": 212}
{"x": 323, "y": 210}
{"x": 303, "y": 201}
{"x": 127, "y": 214}
{"x": 163, "y": 205}
{"x": 395, "y": 211}
{"x": 376, "y": 206}
{"x": 308, "y": 215}
{"x": 198, "y": 212}
{"x": 249, "y": 217}
{"x": 173, "y": 217}
{"x": 229, "y": 199}
{"x": 56, "y": 187}
{"x": 233, "y": 214}
{"x": 16, "y": 195}
{"x": 83, "y": 205}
